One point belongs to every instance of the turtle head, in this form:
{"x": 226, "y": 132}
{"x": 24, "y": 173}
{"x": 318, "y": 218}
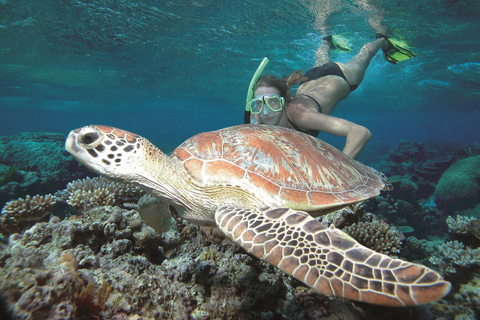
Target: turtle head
{"x": 108, "y": 151}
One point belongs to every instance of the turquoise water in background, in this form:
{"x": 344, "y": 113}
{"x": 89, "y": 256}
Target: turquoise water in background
{"x": 171, "y": 69}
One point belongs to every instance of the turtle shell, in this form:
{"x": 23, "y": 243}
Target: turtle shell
{"x": 282, "y": 167}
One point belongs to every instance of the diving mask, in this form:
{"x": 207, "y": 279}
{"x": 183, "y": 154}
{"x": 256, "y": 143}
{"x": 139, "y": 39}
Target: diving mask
{"x": 274, "y": 102}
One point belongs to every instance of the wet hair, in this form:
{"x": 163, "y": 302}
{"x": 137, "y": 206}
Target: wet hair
{"x": 282, "y": 85}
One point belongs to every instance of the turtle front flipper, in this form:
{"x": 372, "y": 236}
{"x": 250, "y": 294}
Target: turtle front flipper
{"x": 155, "y": 212}
{"x": 329, "y": 260}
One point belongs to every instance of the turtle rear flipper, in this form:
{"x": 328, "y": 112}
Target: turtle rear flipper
{"x": 329, "y": 260}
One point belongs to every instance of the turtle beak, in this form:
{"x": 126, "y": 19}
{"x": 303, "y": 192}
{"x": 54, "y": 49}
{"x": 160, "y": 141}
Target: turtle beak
{"x": 74, "y": 149}
{"x": 70, "y": 144}
{"x": 78, "y": 151}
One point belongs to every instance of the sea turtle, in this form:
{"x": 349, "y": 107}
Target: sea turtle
{"x": 257, "y": 183}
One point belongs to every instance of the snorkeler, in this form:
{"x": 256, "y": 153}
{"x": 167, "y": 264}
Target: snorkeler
{"x": 321, "y": 89}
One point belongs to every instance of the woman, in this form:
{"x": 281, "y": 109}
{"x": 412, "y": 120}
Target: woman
{"x": 321, "y": 89}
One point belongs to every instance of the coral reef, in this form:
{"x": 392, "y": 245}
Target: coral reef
{"x": 7, "y": 174}
{"x": 415, "y": 247}
{"x": 82, "y": 195}
{"x": 88, "y": 193}
{"x": 23, "y": 213}
{"x": 426, "y": 160}
{"x": 420, "y": 165}
{"x": 35, "y": 163}
{"x": 464, "y": 225}
{"x": 213, "y": 235}
{"x": 465, "y": 305}
{"x": 45, "y": 257}
{"x": 377, "y": 235}
{"x": 393, "y": 210}
{"x": 107, "y": 264}
{"x": 454, "y": 254}
{"x": 458, "y": 188}
{"x": 407, "y": 151}
{"x": 344, "y": 217}
{"x": 432, "y": 169}
{"x": 86, "y": 303}
{"x": 104, "y": 262}
{"x": 54, "y": 268}
{"x": 422, "y": 215}
{"x": 403, "y": 188}
{"x": 318, "y": 306}
{"x": 470, "y": 150}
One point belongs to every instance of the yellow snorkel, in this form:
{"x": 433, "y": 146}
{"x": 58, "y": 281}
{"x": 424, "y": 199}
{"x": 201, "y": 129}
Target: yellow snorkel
{"x": 255, "y": 77}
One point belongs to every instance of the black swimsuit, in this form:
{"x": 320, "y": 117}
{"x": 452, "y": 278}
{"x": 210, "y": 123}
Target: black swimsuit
{"x": 328, "y": 69}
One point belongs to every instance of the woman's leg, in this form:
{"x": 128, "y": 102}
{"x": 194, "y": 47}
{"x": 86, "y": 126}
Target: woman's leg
{"x": 322, "y": 55}
{"x": 355, "y": 68}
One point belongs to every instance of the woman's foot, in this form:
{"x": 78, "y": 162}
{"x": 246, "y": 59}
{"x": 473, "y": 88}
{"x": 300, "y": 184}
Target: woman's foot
{"x": 338, "y": 43}
{"x": 396, "y": 50}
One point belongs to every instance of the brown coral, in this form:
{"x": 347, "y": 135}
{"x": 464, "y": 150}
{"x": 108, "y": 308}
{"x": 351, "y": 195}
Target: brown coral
{"x": 85, "y": 301}
{"x": 453, "y": 254}
{"x": 344, "y": 216}
{"x": 459, "y": 225}
{"x": 20, "y": 214}
{"x": 88, "y": 193}
{"x": 120, "y": 189}
{"x": 83, "y": 195}
{"x": 213, "y": 235}
{"x": 83, "y": 200}
{"x": 68, "y": 261}
{"x": 464, "y": 225}
{"x": 377, "y": 235}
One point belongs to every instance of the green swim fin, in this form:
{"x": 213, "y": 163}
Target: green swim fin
{"x": 397, "y": 50}
{"x": 338, "y": 43}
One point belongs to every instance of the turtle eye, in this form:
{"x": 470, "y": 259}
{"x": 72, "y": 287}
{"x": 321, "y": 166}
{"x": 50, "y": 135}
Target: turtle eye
{"x": 89, "y": 138}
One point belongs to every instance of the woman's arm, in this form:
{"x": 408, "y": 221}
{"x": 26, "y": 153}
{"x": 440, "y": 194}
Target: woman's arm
{"x": 356, "y": 136}
{"x": 357, "y": 139}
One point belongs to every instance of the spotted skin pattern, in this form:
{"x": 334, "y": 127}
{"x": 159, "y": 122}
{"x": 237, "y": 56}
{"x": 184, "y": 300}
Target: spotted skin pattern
{"x": 329, "y": 260}
{"x": 250, "y": 181}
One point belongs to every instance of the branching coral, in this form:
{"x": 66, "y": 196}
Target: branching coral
{"x": 344, "y": 216}
{"x": 82, "y": 200}
{"x": 464, "y": 304}
{"x": 454, "y": 253}
{"x": 464, "y": 225}
{"x": 376, "y": 235}
{"x": 23, "y": 213}
{"x": 18, "y": 215}
{"x": 120, "y": 189}
{"x": 99, "y": 191}
{"x": 414, "y": 244}
{"x": 86, "y": 304}
{"x": 459, "y": 225}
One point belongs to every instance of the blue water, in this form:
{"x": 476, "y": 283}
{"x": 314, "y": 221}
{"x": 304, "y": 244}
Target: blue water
{"x": 168, "y": 70}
